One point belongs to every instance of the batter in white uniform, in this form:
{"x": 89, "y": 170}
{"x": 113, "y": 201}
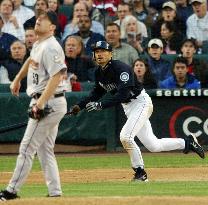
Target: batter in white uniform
{"x": 117, "y": 78}
{"x": 44, "y": 69}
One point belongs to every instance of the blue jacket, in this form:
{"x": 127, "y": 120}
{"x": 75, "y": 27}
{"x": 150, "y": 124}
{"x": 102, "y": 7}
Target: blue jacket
{"x": 6, "y": 40}
{"x": 94, "y": 37}
{"x": 171, "y": 83}
{"x": 160, "y": 69}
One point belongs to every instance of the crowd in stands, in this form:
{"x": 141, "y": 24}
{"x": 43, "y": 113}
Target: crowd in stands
{"x": 162, "y": 40}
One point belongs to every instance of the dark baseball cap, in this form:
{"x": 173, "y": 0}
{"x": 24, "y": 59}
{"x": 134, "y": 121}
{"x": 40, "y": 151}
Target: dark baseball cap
{"x": 51, "y": 15}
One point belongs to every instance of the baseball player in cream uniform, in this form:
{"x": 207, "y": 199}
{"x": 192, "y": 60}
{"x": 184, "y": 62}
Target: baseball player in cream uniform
{"x": 45, "y": 69}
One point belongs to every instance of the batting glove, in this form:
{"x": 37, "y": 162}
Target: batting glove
{"x": 74, "y": 110}
{"x": 93, "y": 106}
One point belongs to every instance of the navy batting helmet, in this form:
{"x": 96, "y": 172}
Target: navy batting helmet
{"x": 102, "y": 45}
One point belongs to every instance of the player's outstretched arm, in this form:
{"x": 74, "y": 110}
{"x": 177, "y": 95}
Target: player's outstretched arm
{"x": 15, "y": 85}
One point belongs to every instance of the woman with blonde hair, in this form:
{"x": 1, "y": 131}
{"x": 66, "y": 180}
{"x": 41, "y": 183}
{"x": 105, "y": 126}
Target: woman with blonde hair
{"x": 133, "y": 32}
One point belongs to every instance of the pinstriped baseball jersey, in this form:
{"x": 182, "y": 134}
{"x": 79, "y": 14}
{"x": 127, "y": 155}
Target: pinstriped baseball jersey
{"x": 41, "y": 70}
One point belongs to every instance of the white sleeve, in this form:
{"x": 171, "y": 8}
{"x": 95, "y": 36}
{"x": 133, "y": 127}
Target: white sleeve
{"x": 54, "y": 60}
{"x": 190, "y": 33}
{"x": 4, "y": 77}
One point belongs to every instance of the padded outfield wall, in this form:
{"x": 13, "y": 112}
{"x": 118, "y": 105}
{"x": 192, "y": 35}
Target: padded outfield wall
{"x": 176, "y": 113}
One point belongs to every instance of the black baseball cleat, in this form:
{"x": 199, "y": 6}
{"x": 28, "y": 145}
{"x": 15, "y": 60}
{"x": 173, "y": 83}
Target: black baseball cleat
{"x": 191, "y": 143}
{"x": 5, "y": 195}
{"x": 54, "y": 195}
{"x": 140, "y": 175}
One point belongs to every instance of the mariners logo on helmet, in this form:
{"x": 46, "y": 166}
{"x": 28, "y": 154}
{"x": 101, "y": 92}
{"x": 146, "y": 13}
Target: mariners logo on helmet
{"x": 124, "y": 76}
{"x": 102, "y": 45}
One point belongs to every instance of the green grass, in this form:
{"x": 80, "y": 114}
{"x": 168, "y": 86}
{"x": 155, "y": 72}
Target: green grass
{"x": 156, "y": 188}
{"x": 122, "y": 189}
{"x": 94, "y": 161}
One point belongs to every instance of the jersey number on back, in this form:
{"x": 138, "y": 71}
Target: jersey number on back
{"x": 35, "y": 78}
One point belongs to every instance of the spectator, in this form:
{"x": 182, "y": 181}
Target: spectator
{"x": 53, "y": 5}
{"x": 180, "y": 78}
{"x": 123, "y": 10}
{"x": 143, "y": 74}
{"x": 6, "y": 40}
{"x": 159, "y": 67}
{"x": 29, "y": 3}
{"x": 156, "y": 4}
{"x": 40, "y": 5}
{"x": 81, "y": 9}
{"x": 107, "y": 7}
{"x": 89, "y": 38}
{"x": 172, "y": 38}
{"x": 133, "y": 32}
{"x": 30, "y": 38}
{"x": 66, "y": 8}
{"x": 121, "y": 51}
{"x": 97, "y": 14}
{"x": 168, "y": 14}
{"x": 183, "y": 9}
{"x": 197, "y": 25}
{"x": 11, "y": 24}
{"x": 14, "y": 64}
{"x": 139, "y": 10}
{"x": 197, "y": 67}
{"x": 79, "y": 67}
{"x": 21, "y": 12}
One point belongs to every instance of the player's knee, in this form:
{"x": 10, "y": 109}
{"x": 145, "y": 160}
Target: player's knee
{"x": 125, "y": 140}
{"x": 154, "y": 148}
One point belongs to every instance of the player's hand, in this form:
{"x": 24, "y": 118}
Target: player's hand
{"x": 13, "y": 20}
{"x": 74, "y": 110}
{"x": 36, "y": 113}
{"x": 93, "y": 106}
{"x": 15, "y": 87}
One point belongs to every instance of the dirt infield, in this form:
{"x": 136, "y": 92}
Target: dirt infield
{"x": 98, "y": 175}
{"x": 142, "y": 200}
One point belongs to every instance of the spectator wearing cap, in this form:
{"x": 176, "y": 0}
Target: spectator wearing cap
{"x": 168, "y": 14}
{"x": 196, "y": 67}
{"x": 89, "y": 38}
{"x": 160, "y": 68}
{"x": 197, "y": 24}
{"x": 121, "y": 51}
{"x": 180, "y": 77}
{"x": 6, "y": 40}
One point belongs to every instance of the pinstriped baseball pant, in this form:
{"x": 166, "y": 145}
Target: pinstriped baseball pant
{"x": 138, "y": 112}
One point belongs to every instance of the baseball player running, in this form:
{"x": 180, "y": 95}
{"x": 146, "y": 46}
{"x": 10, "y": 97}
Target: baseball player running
{"x": 118, "y": 78}
{"x": 44, "y": 69}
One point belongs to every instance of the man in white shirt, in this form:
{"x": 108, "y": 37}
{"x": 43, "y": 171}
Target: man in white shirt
{"x": 22, "y": 13}
{"x": 197, "y": 24}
